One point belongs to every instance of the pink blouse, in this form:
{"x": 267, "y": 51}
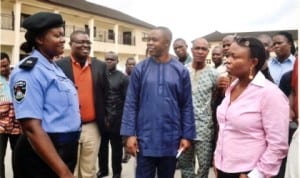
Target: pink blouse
{"x": 253, "y": 129}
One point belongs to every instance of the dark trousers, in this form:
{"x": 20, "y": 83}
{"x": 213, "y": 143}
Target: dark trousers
{"x": 117, "y": 152}
{"x": 222, "y": 174}
{"x": 149, "y": 167}
{"x": 292, "y": 128}
{"x": 30, "y": 165}
{"x": 3, "y": 144}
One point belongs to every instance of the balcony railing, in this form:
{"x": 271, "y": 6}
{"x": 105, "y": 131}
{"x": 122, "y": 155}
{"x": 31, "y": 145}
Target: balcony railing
{"x": 71, "y": 28}
{"x": 7, "y": 21}
{"x": 126, "y": 40}
{"x": 105, "y": 36}
{"x": 102, "y": 36}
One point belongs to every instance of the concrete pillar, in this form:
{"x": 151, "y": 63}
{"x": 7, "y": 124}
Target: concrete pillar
{"x": 16, "y": 48}
{"x": 91, "y": 28}
{"x": 137, "y": 58}
{"x": 116, "y": 31}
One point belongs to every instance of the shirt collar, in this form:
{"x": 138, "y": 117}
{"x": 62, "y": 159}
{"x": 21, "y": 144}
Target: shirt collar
{"x": 291, "y": 59}
{"x": 87, "y": 62}
{"x": 113, "y": 71}
{"x": 258, "y": 80}
{"x": 188, "y": 59}
{"x": 42, "y": 60}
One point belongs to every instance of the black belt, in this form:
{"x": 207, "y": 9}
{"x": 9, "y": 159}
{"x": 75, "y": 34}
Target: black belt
{"x": 64, "y": 137}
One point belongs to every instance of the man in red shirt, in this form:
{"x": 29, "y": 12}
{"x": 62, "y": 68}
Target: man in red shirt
{"x": 90, "y": 77}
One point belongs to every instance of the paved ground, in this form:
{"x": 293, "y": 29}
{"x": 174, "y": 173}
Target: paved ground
{"x": 127, "y": 172}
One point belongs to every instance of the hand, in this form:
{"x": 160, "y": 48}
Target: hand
{"x": 106, "y": 122}
{"x": 292, "y": 114}
{"x": 132, "y": 145}
{"x": 107, "y": 125}
{"x": 243, "y": 176}
{"x": 223, "y": 82}
{"x": 66, "y": 174}
{"x": 184, "y": 144}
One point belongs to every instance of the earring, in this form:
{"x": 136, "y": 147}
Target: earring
{"x": 251, "y": 73}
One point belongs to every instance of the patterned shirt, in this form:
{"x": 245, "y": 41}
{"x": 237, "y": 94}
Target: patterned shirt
{"x": 203, "y": 84}
{"x": 8, "y": 123}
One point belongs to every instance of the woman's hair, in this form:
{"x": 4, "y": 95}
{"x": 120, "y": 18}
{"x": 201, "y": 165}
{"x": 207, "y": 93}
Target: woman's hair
{"x": 30, "y": 42}
{"x": 289, "y": 38}
{"x": 256, "y": 49}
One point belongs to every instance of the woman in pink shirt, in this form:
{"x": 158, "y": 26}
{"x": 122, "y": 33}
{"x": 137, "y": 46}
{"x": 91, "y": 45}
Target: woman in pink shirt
{"x": 253, "y": 117}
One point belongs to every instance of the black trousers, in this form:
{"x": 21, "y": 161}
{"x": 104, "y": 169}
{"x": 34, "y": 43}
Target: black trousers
{"x": 222, "y": 174}
{"x": 117, "y": 152}
{"x": 29, "y": 165}
{"x": 3, "y": 144}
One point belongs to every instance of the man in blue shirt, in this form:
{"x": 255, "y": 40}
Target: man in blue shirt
{"x": 158, "y": 117}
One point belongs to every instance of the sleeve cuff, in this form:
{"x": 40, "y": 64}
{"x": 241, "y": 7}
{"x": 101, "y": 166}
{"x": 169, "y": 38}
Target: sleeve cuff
{"x": 255, "y": 174}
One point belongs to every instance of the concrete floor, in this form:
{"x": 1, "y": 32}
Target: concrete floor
{"x": 127, "y": 171}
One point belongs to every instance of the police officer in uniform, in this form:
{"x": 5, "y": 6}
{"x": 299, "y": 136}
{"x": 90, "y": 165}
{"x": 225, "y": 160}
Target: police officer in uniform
{"x": 46, "y": 103}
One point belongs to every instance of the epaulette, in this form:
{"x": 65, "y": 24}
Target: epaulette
{"x": 29, "y": 63}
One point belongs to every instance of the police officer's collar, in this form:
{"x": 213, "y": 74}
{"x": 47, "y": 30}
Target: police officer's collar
{"x": 42, "y": 60}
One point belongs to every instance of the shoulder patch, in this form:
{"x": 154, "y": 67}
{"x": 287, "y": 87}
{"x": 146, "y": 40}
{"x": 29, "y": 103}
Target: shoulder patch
{"x": 29, "y": 63}
{"x": 19, "y": 90}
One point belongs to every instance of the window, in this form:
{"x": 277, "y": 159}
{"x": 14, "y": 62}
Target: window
{"x": 86, "y": 29}
{"x": 144, "y": 37}
{"x": 95, "y": 32}
{"x": 23, "y": 17}
{"x": 127, "y": 38}
{"x": 111, "y": 34}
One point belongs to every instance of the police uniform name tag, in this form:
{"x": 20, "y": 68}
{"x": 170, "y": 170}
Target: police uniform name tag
{"x": 19, "y": 90}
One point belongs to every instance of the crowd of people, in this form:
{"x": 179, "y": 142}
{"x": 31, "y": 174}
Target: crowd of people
{"x": 168, "y": 112}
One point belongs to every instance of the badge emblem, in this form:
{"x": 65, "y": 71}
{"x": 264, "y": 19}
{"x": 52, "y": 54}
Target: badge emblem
{"x": 20, "y": 90}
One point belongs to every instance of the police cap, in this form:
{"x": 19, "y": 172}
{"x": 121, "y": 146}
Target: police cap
{"x": 42, "y": 21}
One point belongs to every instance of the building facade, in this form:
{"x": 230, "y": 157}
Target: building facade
{"x": 110, "y": 30}
{"x": 215, "y": 38}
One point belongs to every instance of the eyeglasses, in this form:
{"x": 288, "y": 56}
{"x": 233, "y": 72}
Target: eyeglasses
{"x": 81, "y": 42}
{"x": 110, "y": 59}
{"x": 242, "y": 41}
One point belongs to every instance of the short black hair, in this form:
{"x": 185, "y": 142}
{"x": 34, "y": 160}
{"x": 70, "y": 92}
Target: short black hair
{"x": 179, "y": 39}
{"x": 166, "y": 31}
{"x": 130, "y": 58}
{"x": 5, "y": 55}
{"x": 76, "y": 32}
